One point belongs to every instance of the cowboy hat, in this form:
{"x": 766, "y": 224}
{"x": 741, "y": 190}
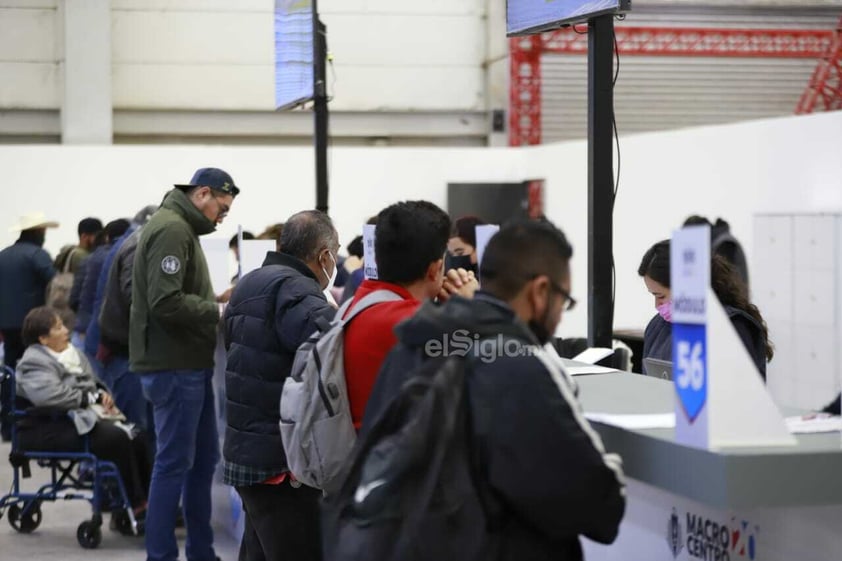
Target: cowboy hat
{"x": 32, "y": 220}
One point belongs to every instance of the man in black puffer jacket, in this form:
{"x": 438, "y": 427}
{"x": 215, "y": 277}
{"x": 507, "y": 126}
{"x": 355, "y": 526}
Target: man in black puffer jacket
{"x": 272, "y": 311}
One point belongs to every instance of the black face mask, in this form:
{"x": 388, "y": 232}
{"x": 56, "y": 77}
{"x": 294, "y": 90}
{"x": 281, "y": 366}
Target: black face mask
{"x": 539, "y": 328}
{"x": 459, "y": 261}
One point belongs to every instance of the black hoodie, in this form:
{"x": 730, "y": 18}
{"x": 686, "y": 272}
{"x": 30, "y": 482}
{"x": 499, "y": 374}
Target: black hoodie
{"x": 541, "y": 459}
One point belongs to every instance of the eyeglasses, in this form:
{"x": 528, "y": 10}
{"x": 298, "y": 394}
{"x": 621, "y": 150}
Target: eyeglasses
{"x": 569, "y": 301}
{"x": 223, "y": 208}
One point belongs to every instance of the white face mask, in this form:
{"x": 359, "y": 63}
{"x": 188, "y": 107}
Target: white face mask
{"x": 331, "y": 278}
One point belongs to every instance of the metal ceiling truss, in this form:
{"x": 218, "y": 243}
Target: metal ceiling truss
{"x": 824, "y": 91}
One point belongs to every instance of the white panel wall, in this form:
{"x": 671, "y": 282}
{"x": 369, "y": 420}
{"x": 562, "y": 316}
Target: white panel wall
{"x": 192, "y": 54}
{"x": 69, "y": 183}
{"x": 30, "y": 51}
{"x": 407, "y": 55}
{"x": 217, "y": 54}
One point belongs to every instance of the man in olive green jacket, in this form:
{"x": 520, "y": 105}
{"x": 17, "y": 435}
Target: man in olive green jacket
{"x": 174, "y": 315}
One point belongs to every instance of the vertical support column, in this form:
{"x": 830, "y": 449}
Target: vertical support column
{"x": 497, "y": 73}
{"x": 525, "y": 90}
{"x": 320, "y": 110}
{"x": 600, "y": 180}
{"x": 86, "y": 108}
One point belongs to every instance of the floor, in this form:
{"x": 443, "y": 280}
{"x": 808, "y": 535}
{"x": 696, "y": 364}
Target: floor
{"x": 55, "y": 538}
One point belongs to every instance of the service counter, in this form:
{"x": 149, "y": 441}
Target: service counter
{"x": 765, "y": 504}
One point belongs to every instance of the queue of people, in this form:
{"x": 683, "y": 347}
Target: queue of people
{"x": 146, "y": 329}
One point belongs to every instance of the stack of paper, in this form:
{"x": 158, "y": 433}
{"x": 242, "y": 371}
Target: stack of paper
{"x": 820, "y": 422}
{"x": 635, "y": 421}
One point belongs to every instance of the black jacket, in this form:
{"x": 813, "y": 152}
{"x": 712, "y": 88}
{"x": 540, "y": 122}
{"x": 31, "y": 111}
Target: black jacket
{"x": 657, "y": 339}
{"x": 114, "y": 313}
{"x": 542, "y": 460}
{"x": 835, "y": 407}
{"x": 725, "y": 244}
{"x": 272, "y": 311}
{"x": 25, "y": 271}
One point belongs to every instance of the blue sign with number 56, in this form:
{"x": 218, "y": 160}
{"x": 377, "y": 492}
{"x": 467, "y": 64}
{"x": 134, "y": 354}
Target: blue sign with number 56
{"x": 689, "y": 359}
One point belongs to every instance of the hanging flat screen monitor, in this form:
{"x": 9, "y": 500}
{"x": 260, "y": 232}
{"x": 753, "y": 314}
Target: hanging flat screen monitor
{"x": 525, "y": 17}
{"x": 294, "y": 27}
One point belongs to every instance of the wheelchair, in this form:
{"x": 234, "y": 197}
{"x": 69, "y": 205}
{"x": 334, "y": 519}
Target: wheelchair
{"x": 73, "y": 476}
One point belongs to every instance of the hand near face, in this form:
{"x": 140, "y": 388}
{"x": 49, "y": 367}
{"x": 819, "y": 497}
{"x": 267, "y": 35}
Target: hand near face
{"x": 458, "y": 281}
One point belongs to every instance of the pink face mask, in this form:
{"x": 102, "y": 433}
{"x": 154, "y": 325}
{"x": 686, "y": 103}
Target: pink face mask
{"x": 665, "y": 311}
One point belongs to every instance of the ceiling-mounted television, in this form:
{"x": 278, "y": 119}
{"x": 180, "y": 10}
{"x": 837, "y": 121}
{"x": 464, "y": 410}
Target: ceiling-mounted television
{"x": 525, "y": 17}
{"x": 294, "y": 33}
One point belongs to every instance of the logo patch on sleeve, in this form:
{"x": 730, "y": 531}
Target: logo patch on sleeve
{"x": 170, "y": 265}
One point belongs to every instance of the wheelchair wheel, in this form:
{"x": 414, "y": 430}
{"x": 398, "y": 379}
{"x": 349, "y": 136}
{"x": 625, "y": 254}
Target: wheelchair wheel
{"x": 89, "y": 535}
{"x": 28, "y": 522}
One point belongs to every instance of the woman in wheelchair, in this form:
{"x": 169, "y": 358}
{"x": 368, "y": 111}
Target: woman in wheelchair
{"x": 54, "y": 374}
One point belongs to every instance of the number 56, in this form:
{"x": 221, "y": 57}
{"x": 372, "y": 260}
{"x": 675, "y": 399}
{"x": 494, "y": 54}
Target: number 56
{"x": 690, "y": 365}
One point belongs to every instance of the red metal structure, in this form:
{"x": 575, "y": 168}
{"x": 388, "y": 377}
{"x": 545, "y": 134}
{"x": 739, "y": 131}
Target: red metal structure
{"x": 525, "y": 90}
{"x": 525, "y": 68}
{"x": 826, "y": 83}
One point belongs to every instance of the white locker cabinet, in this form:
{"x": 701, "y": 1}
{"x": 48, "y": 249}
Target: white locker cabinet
{"x": 814, "y": 367}
{"x": 814, "y": 243}
{"x": 773, "y": 239}
{"x": 814, "y": 298}
{"x": 796, "y": 274}
{"x": 779, "y": 380}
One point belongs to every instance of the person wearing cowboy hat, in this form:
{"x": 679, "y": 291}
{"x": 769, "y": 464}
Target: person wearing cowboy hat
{"x": 25, "y": 271}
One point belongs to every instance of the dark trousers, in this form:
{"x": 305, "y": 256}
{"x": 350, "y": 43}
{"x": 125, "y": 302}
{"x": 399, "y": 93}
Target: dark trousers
{"x": 107, "y": 442}
{"x": 13, "y": 350}
{"x": 281, "y": 523}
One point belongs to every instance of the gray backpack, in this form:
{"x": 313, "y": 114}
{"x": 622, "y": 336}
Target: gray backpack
{"x": 316, "y": 426}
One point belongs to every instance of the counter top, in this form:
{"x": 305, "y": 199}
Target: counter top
{"x": 808, "y": 474}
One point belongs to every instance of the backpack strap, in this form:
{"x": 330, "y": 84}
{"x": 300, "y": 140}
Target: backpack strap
{"x": 369, "y": 300}
{"x": 340, "y": 313}
{"x": 68, "y": 260}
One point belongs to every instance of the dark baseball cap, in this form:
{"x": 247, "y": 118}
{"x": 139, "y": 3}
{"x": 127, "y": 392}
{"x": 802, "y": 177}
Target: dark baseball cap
{"x": 215, "y": 178}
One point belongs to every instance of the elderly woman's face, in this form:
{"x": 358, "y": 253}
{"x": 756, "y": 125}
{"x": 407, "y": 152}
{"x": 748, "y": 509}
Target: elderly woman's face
{"x": 58, "y": 338}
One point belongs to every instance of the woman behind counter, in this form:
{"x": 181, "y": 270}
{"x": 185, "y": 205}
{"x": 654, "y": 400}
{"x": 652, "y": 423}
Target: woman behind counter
{"x": 731, "y": 292}
{"x": 53, "y": 374}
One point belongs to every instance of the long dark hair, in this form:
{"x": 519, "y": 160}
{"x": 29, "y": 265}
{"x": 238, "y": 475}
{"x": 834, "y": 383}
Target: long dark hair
{"x": 729, "y": 288}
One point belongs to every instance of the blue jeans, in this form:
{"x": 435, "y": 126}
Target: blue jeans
{"x": 99, "y": 369}
{"x": 127, "y": 391}
{"x": 185, "y": 462}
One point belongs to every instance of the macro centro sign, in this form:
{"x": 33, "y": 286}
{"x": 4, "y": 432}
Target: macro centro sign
{"x": 694, "y": 536}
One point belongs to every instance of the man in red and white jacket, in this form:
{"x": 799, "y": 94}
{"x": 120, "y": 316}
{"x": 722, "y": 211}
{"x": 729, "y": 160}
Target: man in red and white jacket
{"x": 411, "y": 239}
